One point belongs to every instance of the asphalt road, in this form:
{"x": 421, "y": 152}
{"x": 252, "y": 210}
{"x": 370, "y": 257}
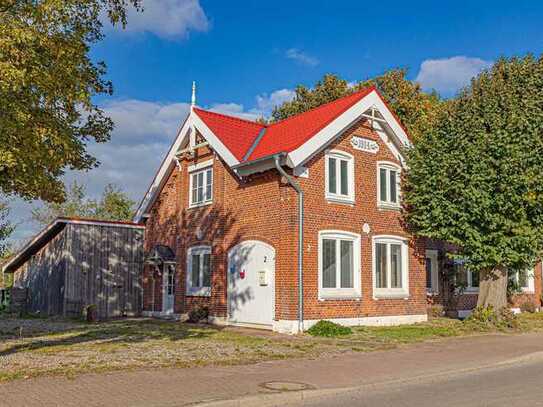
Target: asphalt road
{"x": 516, "y": 384}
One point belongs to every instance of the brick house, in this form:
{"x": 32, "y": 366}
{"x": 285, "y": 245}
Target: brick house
{"x": 440, "y": 269}
{"x": 281, "y": 225}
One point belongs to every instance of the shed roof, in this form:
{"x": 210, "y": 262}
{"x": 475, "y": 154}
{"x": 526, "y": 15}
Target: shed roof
{"x": 49, "y": 233}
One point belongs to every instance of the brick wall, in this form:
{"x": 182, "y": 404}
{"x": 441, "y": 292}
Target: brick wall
{"x": 261, "y": 207}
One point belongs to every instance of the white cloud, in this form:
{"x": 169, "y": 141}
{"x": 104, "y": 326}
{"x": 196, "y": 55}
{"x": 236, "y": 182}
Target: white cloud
{"x": 448, "y": 75}
{"x": 301, "y": 57}
{"x": 168, "y": 18}
{"x": 263, "y": 108}
{"x": 265, "y": 103}
{"x": 138, "y": 121}
{"x": 234, "y": 109}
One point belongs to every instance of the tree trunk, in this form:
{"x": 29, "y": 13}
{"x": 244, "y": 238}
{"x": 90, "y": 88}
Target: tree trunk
{"x": 493, "y": 288}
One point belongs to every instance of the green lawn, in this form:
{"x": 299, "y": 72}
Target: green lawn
{"x": 35, "y": 347}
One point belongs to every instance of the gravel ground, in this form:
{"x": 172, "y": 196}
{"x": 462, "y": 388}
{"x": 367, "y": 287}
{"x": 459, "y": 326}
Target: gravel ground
{"x": 34, "y": 347}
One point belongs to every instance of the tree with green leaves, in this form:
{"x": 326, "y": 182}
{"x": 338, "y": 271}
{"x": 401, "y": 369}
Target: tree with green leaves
{"x": 6, "y": 229}
{"x": 47, "y": 86}
{"x": 476, "y": 179}
{"x": 416, "y": 109}
{"x": 113, "y": 205}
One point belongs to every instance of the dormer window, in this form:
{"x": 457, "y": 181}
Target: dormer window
{"x": 388, "y": 185}
{"x": 339, "y": 169}
{"x": 201, "y": 184}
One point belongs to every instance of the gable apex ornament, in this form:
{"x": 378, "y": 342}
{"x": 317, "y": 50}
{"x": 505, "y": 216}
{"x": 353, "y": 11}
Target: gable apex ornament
{"x": 193, "y": 97}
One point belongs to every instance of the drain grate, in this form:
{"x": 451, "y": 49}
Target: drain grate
{"x": 287, "y": 386}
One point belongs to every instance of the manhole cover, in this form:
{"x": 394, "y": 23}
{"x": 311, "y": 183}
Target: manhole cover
{"x": 286, "y": 386}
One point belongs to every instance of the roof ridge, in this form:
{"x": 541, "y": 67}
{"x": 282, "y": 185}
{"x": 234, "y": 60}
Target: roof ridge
{"x": 367, "y": 89}
{"x": 231, "y": 117}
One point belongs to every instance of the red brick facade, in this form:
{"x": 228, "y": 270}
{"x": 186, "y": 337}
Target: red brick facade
{"x": 262, "y": 207}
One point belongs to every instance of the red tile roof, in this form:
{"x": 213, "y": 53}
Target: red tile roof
{"x": 239, "y": 135}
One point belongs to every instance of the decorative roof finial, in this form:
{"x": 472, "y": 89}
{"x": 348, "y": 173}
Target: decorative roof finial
{"x": 193, "y": 99}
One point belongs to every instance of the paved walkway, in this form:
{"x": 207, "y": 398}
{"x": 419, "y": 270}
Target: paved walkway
{"x": 178, "y": 387}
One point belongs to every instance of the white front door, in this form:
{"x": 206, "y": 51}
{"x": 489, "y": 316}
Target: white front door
{"x": 168, "y": 288}
{"x": 251, "y": 282}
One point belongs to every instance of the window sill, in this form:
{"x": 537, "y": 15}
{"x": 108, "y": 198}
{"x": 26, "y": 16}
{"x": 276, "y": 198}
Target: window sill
{"x": 388, "y": 206}
{"x": 339, "y": 295}
{"x": 203, "y": 292}
{"x": 340, "y": 200}
{"x": 199, "y": 205}
{"x": 340, "y": 298}
{"x": 432, "y": 293}
{"x": 397, "y": 295}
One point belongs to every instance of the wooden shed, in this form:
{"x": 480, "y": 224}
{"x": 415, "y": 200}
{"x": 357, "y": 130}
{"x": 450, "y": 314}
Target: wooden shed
{"x": 74, "y": 263}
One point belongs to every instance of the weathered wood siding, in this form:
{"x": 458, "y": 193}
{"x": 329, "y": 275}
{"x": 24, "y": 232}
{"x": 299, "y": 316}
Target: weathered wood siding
{"x": 103, "y": 267}
{"x": 88, "y": 264}
{"x": 45, "y": 278}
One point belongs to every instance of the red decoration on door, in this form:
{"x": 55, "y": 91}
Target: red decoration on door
{"x": 242, "y": 274}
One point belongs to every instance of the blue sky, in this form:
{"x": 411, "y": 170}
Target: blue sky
{"x": 247, "y": 56}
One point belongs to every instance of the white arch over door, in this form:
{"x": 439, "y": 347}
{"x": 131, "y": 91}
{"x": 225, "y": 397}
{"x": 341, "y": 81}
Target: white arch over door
{"x": 251, "y": 283}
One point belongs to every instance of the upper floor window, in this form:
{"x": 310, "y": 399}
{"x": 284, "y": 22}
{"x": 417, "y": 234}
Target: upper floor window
{"x": 199, "y": 270}
{"x": 390, "y": 267}
{"x": 339, "y": 260}
{"x": 388, "y": 188}
{"x": 201, "y": 184}
{"x": 339, "y": 176}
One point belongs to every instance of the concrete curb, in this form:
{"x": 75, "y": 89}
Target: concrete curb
{"x": 280, "y": 398}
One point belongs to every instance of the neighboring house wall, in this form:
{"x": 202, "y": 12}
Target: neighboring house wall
{"x": 83, "y": 265}
{"x": 463, "y": 303}
{"x": 263, "y": 208}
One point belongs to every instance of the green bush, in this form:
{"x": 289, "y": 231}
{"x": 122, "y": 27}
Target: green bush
{"x": 488, "y": 316}
{"x": 436, "y": 311}
{"x": 329, "y": 329}
{"x": 198, "y": 314}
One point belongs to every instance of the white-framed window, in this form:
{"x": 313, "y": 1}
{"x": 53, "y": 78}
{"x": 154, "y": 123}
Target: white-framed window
{"x": 524, "y": 279}
{"x": 339, "y": 169}
{"x": 467, "y": 278}
{"x": 390, "y": 267}
{"x": 199, "y": 270}
{"x": 339, "y": 264}
{"x": 201, "y": 184}
{"x": 432, "y": 272}
{"x": 388, "y": 185}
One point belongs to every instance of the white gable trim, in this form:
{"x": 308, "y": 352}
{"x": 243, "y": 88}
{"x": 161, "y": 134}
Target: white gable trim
{"x": 341, "y": 123}
{"x": 192, "y": 121}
